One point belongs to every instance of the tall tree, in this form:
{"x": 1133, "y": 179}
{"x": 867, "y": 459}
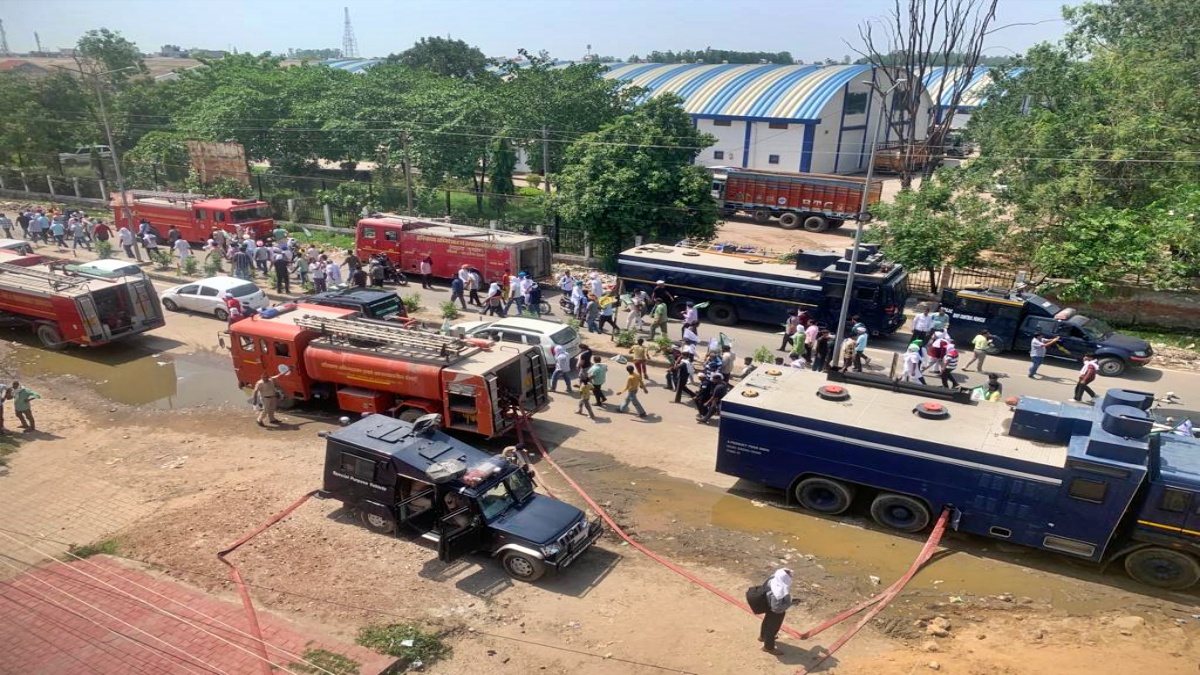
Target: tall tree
{"x": 916, "y": 37}
{"x": 106, "y": 51}
{"x": 500, "y": 172}
{"x": 635, "y": 177}
{"x": 444, "y": 56}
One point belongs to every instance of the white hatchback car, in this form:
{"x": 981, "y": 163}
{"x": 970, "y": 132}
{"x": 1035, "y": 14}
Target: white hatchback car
{"x": 535, "y": 332}
{"x": 207, "y": 296}
{"x": 107, "y": 268}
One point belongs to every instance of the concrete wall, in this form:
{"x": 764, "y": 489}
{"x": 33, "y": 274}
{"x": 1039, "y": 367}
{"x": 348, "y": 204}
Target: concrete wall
{"x": 784, "y": 144}
{"x": 1145, "y": 307}
{"x": 731, "y": 141}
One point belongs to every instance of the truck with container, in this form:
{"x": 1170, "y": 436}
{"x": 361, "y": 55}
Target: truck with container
{"x": 1098, "y": 483}
{"x": 407, "y": 241}
{"x": 65, "y": 307}
{"x": 1014, "y": 317}
{"x": 367, "y": 366}
{"x": 195, "y": 216}
{"x": 815, "y": 201}
{"x": 410, "y": 478}
{"x": 762, "y": 289}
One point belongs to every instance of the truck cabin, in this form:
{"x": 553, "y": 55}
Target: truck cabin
{"x": 271, "y": 339}
{"x": 403, "y": 477}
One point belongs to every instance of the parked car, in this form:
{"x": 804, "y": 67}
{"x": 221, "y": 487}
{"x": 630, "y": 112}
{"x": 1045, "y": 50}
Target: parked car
{"x": 207, "y": 296}
{"x": 539, "y": 332}
{"x": 84, "y": 153}
{"x": 107, "y": 268}
{"x": 18, "y": 245}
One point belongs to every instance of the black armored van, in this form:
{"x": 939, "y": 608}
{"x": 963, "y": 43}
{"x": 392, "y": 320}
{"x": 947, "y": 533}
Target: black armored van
{"x": 412, "y": 478}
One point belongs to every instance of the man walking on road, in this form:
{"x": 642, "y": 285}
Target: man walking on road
{"x": 266, "y": 394}
{"x": 1037, "y": 352}
{"x": 980, "y": 344}
{"x": 562, "y": 369}
{"x": 599, "y": 374}
{"x": 283, "y": 281}
{"x": 632, "y": 384}
{"x": 860, "y": 349}
{"x": 21, "y": 397}
{"x": 658, "y": 319}
{"x": 1086, "y": 375}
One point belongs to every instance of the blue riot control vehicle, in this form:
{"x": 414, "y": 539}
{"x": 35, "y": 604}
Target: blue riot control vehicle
{"x": 1099, "y": 483}
{"x": 411, "y": 478}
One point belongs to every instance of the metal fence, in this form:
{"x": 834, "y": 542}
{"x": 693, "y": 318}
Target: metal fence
{"x": 955, "y": 277}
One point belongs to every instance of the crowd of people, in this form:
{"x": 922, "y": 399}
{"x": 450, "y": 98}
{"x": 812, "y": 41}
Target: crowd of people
{"x": 54, "y": 227}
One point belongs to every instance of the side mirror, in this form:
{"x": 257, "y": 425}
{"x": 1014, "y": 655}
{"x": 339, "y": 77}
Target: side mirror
{"x": 283, "y": 369}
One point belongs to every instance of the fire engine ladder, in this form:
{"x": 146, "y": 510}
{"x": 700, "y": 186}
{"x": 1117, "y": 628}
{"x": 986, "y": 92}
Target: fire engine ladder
{"x": 37, "y": 281}
{"x": 384, "y": 338}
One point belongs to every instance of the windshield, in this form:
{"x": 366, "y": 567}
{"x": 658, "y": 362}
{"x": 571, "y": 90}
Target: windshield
{"x": 251, "y": 213}
{"x": 1096, "y": 329}
{"x": 243, "y": 290}
{"x": 564, "y": 336}
{"x": 520, "y": 485}
{"x": 495, "y": 501}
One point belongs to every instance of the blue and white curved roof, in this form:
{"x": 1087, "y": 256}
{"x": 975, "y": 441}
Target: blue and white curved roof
{"x": 352, "y": 65}
{"x": 940, "y": 83}
{"x": 756, "y": 91}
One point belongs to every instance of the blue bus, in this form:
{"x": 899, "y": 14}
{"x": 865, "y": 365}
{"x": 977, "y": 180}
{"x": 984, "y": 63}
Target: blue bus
{"x": 759, "y": 289}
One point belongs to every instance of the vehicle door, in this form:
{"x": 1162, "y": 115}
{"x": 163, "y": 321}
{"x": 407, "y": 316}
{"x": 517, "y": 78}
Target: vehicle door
{"x": 188, "y": 297}
{"x": 208, "y": 299}
{"x": 1169, "y": 509}
{"x": 1032, "y": 325}
{"x": 462, "y": 529}
{"x": 368, "y": 241}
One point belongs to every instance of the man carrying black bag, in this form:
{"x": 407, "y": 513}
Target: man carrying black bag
{"x": 771, "y": 599}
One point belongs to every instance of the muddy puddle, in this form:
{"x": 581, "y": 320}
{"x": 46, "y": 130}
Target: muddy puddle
{"x": 138, "y": 377}
{"x": 849, "y": 547}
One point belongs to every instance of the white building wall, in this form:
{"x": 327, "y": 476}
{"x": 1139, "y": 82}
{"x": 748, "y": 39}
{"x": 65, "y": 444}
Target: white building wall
{"x": 730, "y": 142}
{"x": 784, "y": 144}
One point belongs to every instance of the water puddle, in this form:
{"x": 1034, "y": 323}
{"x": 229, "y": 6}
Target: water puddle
{"x": 133, "y": 376}
{"x": 848, "y": 546}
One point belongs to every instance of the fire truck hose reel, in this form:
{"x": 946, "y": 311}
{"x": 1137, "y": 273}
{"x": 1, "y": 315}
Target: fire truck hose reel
{"x": 932, "y": 411}
{"x": 833, "y": 392}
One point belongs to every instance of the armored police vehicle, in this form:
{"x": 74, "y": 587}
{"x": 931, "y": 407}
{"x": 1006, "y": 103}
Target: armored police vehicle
{"x": 403, "y": 477}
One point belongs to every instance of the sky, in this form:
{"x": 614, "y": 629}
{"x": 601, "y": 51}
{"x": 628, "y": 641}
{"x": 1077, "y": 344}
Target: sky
{"x": 809, "y": 29}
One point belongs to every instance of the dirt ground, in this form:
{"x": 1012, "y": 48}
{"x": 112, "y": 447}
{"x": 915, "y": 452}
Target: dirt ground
{"x": 174, "y": 486}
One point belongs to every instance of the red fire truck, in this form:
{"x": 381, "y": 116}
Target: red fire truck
{"x": 406, "y": 241}
{"x": 370, "y": 366}
{"x": 65, "y": 308}
{"x": 195, "y": 216}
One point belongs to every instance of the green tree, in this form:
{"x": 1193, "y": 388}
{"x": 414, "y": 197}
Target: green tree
{"x": 635, "y": 177}
{"x": 445, "y": 57}
{"x": 500, "y": 172}
{"x": 941, "y": 222}
{"x": 106, "y": 51}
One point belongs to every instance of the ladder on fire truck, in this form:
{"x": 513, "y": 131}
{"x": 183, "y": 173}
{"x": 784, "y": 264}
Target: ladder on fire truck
{"x": 379, "y": 336}
{"x": 37, "y": 281}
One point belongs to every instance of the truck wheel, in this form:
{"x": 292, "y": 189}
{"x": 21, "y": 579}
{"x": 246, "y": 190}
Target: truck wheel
{"x": 816, "y": 224}
{"x": 377, "y": 523}
{"x": 221, "y": 313}
{"x": 50, "y": 337}
{"x": 1111, "y": 366}
{"x": 789, "y": 221}
{"x": 761, "y": 216}
{"x": 722, "y": 314}
{"x": 677, "y": 308}
{"x": 835, "y": 224}
{"x": 898, "y": 512}
{"x": 170, "y": 305}
{"x": 522, "y": 566}
{"x": 824, "y": 495}
{"x": 1163, "y": 568}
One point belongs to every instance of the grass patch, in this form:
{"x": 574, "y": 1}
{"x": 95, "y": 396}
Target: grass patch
{"x": 403, "y": 640}
{"x": 102, "y": 547}
{"x": 325, "y": 661}
{"x": 1186, "y": 341}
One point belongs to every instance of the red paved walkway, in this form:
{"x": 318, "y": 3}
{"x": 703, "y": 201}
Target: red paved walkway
{"x": 48, "y": 628}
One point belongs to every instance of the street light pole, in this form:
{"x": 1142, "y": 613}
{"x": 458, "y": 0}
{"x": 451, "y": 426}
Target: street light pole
{"x": 862, "y": 214}
{"x": 112, "y": 148}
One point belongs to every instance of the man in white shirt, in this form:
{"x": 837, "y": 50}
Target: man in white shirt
{"x": 184, "y": 251}
{"x": 516, "y": 293}
{"x": 921, "y": 324}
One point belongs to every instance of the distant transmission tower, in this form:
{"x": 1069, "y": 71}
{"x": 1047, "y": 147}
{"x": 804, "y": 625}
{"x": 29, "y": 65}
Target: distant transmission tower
{"x": 38, "y": 39}
{"x": 3, "y": 40}
{"x": 349, "y": 44}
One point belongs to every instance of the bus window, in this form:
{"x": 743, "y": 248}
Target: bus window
{"x": 866, "y": 294}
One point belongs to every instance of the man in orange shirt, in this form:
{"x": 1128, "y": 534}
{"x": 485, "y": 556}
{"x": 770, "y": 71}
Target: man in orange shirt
{"x": 632, "y": 384}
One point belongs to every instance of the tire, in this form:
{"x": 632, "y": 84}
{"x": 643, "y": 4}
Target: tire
{"x": 816, "y": 224}
{"x": 721, "y": 314}
{"x": 1110, "y": 366}
{"x": 221, "y": 313}
{"x": 170, "y": 305}
{"x": 49, "y": 336}
{"x": 1163, "y": 568}
{"x": 835, "y": 224}
{"x": 761, "y": 216}
{"x": 544, "y": 307}
{"x": 377, "y": 523}
{"x": 677, "y": 308}
{"x": 789, "y": 221}
{"x": 410, "y": 415}
{"x": 824, "y": 495}
{"x": 522, "y": 566}
{"x": 900, "y": 512}
{"x": 401, "y": 279}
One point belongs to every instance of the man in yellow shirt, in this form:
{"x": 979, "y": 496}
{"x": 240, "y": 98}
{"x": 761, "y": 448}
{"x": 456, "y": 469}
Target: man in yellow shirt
{"x": 640, "y": 354}
{"x": 980, "y": 344}
{"x": 632, "y": 384}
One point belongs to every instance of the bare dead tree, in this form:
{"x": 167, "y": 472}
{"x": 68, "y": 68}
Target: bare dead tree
{"x": 917, "y": 37}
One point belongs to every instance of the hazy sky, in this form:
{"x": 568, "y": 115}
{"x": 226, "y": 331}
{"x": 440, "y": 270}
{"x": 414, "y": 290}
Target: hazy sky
{"x": 809, "y": 29}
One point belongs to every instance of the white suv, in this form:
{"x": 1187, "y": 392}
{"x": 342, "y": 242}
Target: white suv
{"x": 84, "y": 153}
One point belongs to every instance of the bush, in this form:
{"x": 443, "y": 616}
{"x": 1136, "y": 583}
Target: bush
{"x": 191, "y": 265}
{"x": 214, "y": 263}
{"x": 412, "y": 303}
{"x": 104, "y": 249}
{"x": 626, "y": 338}
{"x": 390, "y": 639}
{"x": 449, "y": 310}
{"x": 103, "y": 547}
{"x": 764, "y": 355}
{"x": 162, "y": 259}
{"x": 325, "y": 662}
{"x": 663, "y": 344}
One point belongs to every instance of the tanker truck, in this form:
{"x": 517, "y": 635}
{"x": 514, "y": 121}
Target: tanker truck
{"x": 360, "y": 365}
